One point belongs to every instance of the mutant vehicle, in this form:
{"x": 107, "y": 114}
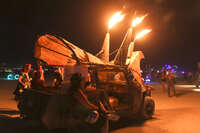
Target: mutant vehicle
{"x": 116, "y": 86}
{"x": 124, "y": 94}
{"x": 119, "y": 87}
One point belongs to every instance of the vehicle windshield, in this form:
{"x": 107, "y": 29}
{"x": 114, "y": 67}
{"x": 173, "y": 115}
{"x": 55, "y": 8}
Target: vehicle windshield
{"x": 111, "y": 76}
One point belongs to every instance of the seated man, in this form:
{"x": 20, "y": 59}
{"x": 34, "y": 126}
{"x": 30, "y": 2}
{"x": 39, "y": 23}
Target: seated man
{"x": 80, "y": 106}
{"x": 58, "y": 78}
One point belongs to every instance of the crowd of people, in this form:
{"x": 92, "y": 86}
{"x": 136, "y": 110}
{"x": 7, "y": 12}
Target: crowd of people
{"x": 79, "y": 107}
{"x": 78, "y": 102}
{"x": 168, "y": 80}
{"x": 36, "y": 79}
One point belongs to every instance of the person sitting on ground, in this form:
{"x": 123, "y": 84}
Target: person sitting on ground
{"x": 80, "y": 106}
{"x": 38, "y": 78}
{"x": 24, "y": 80}
{"x": 58, "y": 78}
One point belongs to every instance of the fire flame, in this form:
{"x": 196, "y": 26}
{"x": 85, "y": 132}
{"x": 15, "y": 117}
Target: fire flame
{"x": 117, "y": 17}
{"x": 142, "y": 33}
{"x": 138, "y": 20}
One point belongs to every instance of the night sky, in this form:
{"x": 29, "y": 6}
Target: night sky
{"x": 174, "y": 38}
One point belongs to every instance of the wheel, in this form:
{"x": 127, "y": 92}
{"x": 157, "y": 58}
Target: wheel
{"x": 148, "y": 108}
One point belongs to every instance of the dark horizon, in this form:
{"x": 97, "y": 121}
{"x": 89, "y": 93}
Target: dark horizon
{"x": 173, "y": 40}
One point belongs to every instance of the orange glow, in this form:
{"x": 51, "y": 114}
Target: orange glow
{"x": 117, "y": 17}
{"x": 142, "y": 33}
{"x": 197, "y": 90}
{"x": 138, "y": 20}
{"x": 20, "y": 90}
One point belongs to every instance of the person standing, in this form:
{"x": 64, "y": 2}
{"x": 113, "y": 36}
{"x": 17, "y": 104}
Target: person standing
{"x": 163, "y": 79}
{"x": 171, "y": 83}
{"x": 24, "y": 81}
{"x": 197, "y": 76}
{"x": 38, "y": 77}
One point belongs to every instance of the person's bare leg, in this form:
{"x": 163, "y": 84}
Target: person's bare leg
{"x": 174, "y": 90}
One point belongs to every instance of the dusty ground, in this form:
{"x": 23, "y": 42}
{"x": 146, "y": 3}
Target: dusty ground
{"x": 179, "y": 114}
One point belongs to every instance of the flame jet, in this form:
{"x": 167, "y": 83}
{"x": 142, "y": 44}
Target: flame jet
{"x": 134, "y": 57}
{"x": 104, "y": 53}
{"x": 131, "y": 46}
{"x": 124, "y": 52}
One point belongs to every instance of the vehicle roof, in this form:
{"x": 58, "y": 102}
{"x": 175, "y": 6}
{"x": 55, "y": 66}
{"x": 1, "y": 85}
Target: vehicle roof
{"x": 106, "y": 67}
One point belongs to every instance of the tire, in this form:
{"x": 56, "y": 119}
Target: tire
{"x": 148, "y": 108}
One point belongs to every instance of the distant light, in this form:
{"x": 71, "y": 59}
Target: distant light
{"x": 16, "y": 77}
{"x": 186, "y": 86}
{"x": 8, "y": 70}
{"x": 10, "y": 77}
{"x": 175, "y": 66}
{"x": 182, "y": 72}
{"x": 148, "y": 80}
{"x": 158, "y": 71}
{"x": 198, "y": 90}
{"x": 141, "y": 71}
{"x": 168, "y": 67}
